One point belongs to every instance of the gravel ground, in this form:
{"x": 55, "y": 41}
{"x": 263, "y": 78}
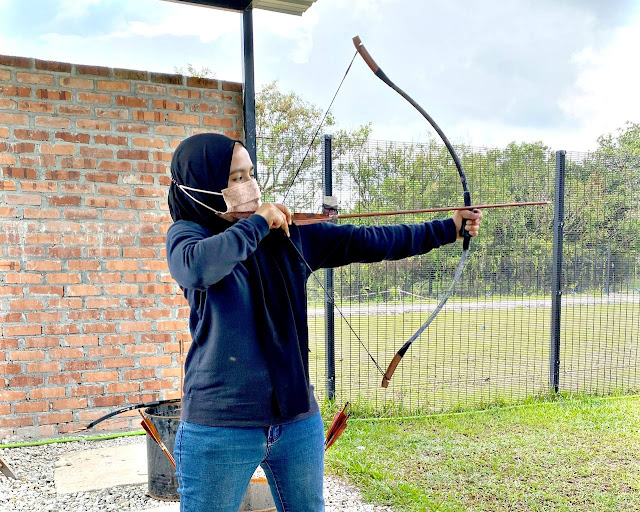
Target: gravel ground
{"x": 35, "y": 491}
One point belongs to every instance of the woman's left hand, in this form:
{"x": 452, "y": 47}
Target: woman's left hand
{"x": 473, "y": 221}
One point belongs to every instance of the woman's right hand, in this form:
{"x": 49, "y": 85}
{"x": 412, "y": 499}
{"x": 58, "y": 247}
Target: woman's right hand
{"x": 277, "y": 216}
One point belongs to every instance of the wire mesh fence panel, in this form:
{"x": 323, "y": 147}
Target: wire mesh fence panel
{"x": 491, "y": 341}
{"x": 601, "y": 273}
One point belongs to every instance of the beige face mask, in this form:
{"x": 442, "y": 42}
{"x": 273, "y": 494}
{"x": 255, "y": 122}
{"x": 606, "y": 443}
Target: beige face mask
{"x": 241, "y": 198}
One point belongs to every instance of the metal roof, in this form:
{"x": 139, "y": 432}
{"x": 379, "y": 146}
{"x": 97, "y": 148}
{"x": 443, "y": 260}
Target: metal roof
{"x": 297, "y": 7}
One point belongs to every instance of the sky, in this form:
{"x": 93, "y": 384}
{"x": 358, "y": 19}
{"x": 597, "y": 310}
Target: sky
{"x": 488, "y": 71}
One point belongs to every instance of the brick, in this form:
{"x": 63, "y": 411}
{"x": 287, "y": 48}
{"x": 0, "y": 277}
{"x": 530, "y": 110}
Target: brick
{"x": 35, "y": 78}
{"x": 15, "y": 90}
{"x": 113, "y": 85}
{"x": 65, "y": 201}
{"x": 231, "y": 86}
{"x": 48, "y": 367}
{"x": 15, "y": 62}
{"x": 130, "y": 74}
{"x": 184, "y": 119}
{"x": 89, "y": 97}
{"x": 205, "y": 108}
{"x": 131, "y": 154}
{"x": 57, "y": 149}
{"x": 155, "y": 90}
{"x": 123, "y": 387}
{"x": 81, "y": 341}
{"x": 92, "y": 70}
{"x": 6, "y": 158}
{"x": 112, "y": 140}
{"x": 81, "y": 138}
{"x": 112, "y": 113}
{"x": 47, "y": 290}
{"x": 70, "y": 403}
{"x": 7, "y": 104}
{"x": 93, "y": 124}
{"x": 26, "y": 355}
{"x": 141, "y": 373}
{"x": 148, "y": 143}
{"x": 108, "y": 401}
{"x": 73, "y": 110}
{"x": 84, "y": 314}
{"x": 77, "y": 83}
{"x": 47, "y": 65}
{"x": 66, "y": 353}
{"x": 101, "y": 177}
{"x": 132, "y": 128}
{"x": 218, "y": 121}
{"x": 65, "y": 378}
{"x": 16, "y": 422}
{"x": 12, "y": 119}
{"x": 23, "y": 199}
{"x": 31, "y": 134}
{"x": 100, "y": 202}
{"x": 169, "y": 130}
{"x": 10, "y": 369}
{"x": 35, "y": 106}
{"x": 105, "y": 351}
{"x": 101, "y": 376}
{"x": 78, "y": 163}
{"x": 164, "y": 78}
{"x": 50, "y": 94}
{"x": 44, "y": 265}
{"x": 4, "y": 132}
{"x": 157, "y": 384}
{"x": 55, "y": 417}
{"x": 63, "y": 278}
{"x": 73, "y": 214}
{"x": 202, "y": 83}
{"x": 82, "y": 290}
{"x": 26, "y": 304}
{"x": 184, "y": 93}
{"x": 7, "y": 185}
{"x": 62, "y": 175}
{"x": 53, "y": 122}
{"x": 94, "y": 389}
{"x": 168, "y": 105}
{"x": 25, "y": 407}
{"x": 132, "y": 102}
{"x": 5, "y": 74}
{"x": 22, "y": 330}
{"x": 145, "y": 115}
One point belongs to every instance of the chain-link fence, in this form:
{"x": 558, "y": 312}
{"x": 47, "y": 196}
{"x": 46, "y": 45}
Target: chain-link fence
{"x": 493, "y": 340}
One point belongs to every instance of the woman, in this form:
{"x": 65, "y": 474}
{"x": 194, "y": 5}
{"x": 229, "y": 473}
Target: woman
{"x": 247, "y": 396}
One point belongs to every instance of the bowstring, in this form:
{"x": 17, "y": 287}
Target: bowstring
{"x": 318, "y": 130}
{"x": 333, "y": 302}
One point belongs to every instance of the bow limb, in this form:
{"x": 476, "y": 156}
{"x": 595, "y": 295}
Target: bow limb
{"x": 126, "y": 409}
{"x": 466, "y": 197}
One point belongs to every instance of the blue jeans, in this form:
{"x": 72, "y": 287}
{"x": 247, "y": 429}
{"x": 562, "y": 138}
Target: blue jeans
{"x": 215, "y": 465}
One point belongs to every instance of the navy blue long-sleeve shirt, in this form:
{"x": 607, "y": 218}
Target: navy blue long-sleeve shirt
{"x": 227, "y": 381}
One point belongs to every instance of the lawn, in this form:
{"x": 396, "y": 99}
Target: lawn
{"x": 563, "y": 454}
{"x": 478, "y": 354}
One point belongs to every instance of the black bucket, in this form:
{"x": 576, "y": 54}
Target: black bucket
{"x": 163, "y": 483}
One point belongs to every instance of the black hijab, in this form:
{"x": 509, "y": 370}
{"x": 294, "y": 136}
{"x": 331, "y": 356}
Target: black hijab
{"x": 277, "y": 275}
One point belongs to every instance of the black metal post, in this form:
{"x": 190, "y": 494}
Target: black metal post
{"x": 249, "y": 89}
{"x": 329, "y": 322}
{"x": 556, "y": 272}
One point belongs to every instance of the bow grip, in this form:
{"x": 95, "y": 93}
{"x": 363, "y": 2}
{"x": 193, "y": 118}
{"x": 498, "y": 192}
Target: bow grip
{"x": 466, "y": 236}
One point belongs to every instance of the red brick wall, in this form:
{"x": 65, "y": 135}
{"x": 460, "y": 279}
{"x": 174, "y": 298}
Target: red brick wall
{"x": 90, "y": 317}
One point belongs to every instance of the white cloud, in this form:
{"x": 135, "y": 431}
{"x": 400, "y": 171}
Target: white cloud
{"x": 605, "y": 94}
{"x": 296, "y": 32}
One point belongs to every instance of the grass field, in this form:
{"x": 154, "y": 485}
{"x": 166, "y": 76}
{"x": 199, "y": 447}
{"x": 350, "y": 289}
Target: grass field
{"x": 472, "y": 356}
{"x": 579, "y": 454}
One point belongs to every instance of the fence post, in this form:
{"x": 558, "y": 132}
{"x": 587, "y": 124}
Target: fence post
{"x": 329, "y": 331}
{"x": 556, "y": 272}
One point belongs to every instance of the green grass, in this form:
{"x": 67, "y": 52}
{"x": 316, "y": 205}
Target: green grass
{"x": 471, "y": 358}
{"x": 566, "y": 454}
